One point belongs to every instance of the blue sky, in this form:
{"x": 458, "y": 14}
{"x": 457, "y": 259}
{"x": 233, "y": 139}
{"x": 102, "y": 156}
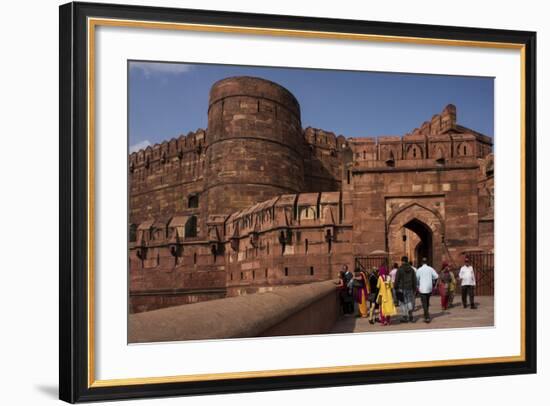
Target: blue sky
{"x": 169, "y": 99}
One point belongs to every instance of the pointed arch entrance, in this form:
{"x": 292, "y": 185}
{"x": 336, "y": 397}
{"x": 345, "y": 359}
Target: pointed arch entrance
{"x": 415, "y": 231}
{"x": 422, "y": 248}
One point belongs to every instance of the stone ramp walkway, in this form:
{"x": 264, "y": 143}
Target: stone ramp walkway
{"x": 456, "y": 317}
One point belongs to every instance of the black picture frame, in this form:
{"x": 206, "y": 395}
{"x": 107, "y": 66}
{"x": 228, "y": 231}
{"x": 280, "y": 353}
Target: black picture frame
{"x": 74, "y": 199}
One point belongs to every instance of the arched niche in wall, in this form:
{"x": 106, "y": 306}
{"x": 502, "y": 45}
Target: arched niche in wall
{"x": 415, "y": 151}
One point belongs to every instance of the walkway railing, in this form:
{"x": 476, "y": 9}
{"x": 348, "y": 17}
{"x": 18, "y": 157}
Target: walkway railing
{"x": 369, "y": 262}
{"x": 484, "y": 268}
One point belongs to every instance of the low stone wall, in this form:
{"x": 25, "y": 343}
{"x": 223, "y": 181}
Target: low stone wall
{"x": 154, "y": 300}
{"x": 305, "y": 309}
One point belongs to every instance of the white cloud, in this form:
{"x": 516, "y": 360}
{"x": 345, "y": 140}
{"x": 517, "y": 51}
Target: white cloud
{"x": 160, "y": 68}
{"x": 140, "y": 145}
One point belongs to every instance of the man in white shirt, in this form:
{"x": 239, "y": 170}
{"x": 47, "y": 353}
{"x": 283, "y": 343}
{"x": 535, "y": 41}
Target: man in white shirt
{"x": 467, "y": 282}
{"x": 393, "y": 272}
{"x": 425, "y": 277}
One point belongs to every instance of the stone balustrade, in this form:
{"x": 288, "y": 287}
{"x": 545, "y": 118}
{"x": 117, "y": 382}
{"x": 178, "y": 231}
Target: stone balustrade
{"x": 293, "y": 310}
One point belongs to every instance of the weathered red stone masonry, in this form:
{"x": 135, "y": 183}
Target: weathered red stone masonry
{"x": 256, "y": 201}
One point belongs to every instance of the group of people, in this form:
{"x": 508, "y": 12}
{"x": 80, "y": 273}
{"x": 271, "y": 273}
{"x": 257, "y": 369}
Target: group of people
{"x": 364, "y": 292}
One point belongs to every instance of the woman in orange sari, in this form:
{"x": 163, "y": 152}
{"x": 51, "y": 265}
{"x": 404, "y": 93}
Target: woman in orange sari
{"x": 360, "y": 287}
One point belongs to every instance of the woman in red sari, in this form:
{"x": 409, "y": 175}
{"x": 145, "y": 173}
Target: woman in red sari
{"x": 445, "y": 281}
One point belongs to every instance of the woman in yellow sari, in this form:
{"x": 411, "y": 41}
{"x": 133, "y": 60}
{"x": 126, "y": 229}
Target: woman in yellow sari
{"x": 360, "y": 287}
{"x": 385, "y": 296}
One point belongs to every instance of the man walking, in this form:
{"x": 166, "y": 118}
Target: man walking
{"x": 426, "y": 276}
{"x": 405, "y": 286}
{"x": 393, "y": 274}
{"x": 346, "y": 297}
{"x": 467, "y": 282}
{"x": 348, "y": 281}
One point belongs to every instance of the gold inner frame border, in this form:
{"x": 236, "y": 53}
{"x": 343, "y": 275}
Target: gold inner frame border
{"x": 94, "y": 22}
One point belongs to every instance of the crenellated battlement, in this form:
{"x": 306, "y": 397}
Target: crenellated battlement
{"x": 169, "y": 161}
{"x": 323, "y": 159}
{"x": 440, "y": 123}
{"x": 441, "y": 140}
{"x": 178, "y": 148}
{"x": 167, "y": 178}
{"x": 323, "y": 139}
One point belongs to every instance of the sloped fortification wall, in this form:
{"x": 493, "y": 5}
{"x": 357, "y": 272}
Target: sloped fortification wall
{"x": 306, "y": 309}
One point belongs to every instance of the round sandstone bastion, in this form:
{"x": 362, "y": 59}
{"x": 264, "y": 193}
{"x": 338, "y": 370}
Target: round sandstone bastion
{"x": 254, "y": 87}
{"x": 255, "y": 143}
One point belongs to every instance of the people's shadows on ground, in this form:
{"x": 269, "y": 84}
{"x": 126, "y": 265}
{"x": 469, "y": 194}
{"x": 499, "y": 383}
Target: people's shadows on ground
{"x": 346, "y": 323}
{"x": 439, "y": 314}
{"x": 419, "y": 317}
{"x": 460, "y": 305}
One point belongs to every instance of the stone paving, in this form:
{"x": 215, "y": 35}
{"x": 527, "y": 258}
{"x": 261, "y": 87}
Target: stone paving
{"x": 455, "y": 317}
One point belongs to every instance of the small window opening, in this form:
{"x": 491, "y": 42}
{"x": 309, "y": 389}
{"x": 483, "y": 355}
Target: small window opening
{"x": 193, "y": 202}
{"x": 191, "y": 227}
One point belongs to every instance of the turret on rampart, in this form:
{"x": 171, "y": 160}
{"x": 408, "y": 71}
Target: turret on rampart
{"x": 255, "y": 144}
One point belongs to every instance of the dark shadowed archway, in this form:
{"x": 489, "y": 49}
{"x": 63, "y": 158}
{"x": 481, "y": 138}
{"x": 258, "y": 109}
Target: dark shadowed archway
{"x": 424, "y": 248}
{"x": 424, "y": 228}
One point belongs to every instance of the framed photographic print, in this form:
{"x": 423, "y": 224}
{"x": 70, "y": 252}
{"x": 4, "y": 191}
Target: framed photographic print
{"x": 256, "y": 202}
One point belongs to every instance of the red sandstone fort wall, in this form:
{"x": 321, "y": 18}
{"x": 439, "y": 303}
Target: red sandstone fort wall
{"x": 288, "y": 240}
{"x": 323, "y": 160}
{"x": 255, "y": 201}
{"x": 164, "y": 177}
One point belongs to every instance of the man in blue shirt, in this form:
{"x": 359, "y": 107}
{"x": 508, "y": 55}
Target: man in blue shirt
{"x": 426, "y": 276}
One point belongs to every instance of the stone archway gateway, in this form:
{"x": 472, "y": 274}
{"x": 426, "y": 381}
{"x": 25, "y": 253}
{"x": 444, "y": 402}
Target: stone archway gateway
{"x": 416, "y": 231}
{"x": 424, "y": 247}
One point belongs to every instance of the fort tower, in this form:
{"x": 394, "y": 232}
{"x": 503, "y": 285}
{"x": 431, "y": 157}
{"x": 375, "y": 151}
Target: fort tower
{"x": 255, "y": 144}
